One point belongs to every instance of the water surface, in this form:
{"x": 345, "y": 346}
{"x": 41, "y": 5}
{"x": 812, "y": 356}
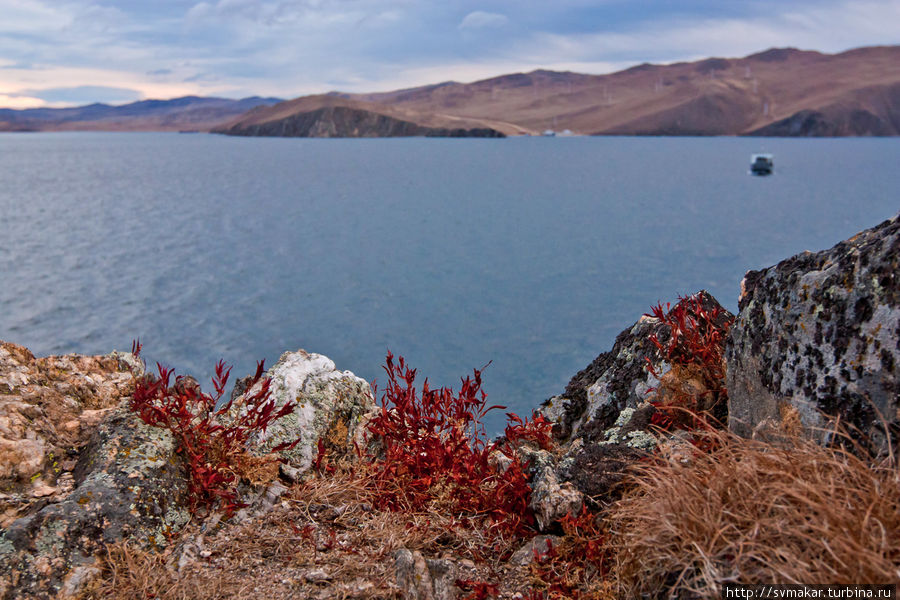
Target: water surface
{"x": 532, "y": 253}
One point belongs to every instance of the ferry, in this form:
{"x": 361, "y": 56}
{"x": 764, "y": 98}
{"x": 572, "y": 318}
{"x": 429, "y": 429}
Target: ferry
{"x": 762, "y": 164}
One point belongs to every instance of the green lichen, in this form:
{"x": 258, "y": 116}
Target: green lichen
{"x": 156, "y": 444}
{"x": 6, "y": 546}
{"x": 51, "y": 539}
{"x": 641, "y": 440}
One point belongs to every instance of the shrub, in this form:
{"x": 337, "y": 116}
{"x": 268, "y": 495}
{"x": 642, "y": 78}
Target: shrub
{"x": 576, "y": 568}
{"x": 435, "y": 454}
{"x": 695, "y": 347}
{"x": 213, "y": 441}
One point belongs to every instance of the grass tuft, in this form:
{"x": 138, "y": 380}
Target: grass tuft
{"x": 752, "y": 512}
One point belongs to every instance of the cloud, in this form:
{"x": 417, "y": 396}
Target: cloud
{"x": 291, "y": 47}
{"x": 681, "y": 38}
{"x": 480, "y": 19}
{"x": 19, "y": 102}
{"x": 85, "y": 94}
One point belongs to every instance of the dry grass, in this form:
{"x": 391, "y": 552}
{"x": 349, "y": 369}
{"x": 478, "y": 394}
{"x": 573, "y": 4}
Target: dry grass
{"x": 749, "y": 512}
{"x": 325, "y": 540}
{"x": 753, "y": 512}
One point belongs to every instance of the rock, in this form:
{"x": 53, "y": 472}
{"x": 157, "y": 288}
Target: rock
{"x": 330, "y": 406}
{"x": 77, "y": 579}
{"x": 595, "y": 398}
{"x": 539, "y": 544}
{"x": 421, "y": 579}
{"x": 817, "y": 337}
{"x": 49, "y": 408}
{"x": 604, "y": 417}
{"x": 599, "y": 468}
{"x": 551, "y": 500}
{"x": 260, "y": 500}
{"x": 129, "y": 484}
{"x": 318, "y": 576}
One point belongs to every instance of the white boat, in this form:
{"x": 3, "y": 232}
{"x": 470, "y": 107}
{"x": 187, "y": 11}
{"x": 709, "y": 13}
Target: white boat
{"x": 762, "y": 164}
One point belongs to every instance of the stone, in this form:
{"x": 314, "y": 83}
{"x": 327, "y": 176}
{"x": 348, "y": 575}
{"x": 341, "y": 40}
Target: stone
{"x": 818, "y": 337}
{"x": 49, "y": 407}
{"x": 603, "y": 419}
{"x": 331, "y": 405}
{"x": 535, "y": 546}
{"x": 598, "y": 469}
{"x": 616, "y": 380}
{"x": 551, "y": 499}
{"x": 128, "y": 484}
{"x": 421, "y": 579}
{"x": 318, "y": 576}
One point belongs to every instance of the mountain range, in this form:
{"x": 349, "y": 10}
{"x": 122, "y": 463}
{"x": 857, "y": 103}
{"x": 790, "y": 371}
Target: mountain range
{"x": 191, "y": 113}
{"x": 778, "y": 92}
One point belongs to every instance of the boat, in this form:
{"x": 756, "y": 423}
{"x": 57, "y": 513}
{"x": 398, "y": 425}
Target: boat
{"x": 762, "y": 164}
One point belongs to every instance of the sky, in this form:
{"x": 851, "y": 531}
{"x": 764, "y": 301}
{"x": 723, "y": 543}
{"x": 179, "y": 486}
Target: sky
{"x": 57, "y": 53}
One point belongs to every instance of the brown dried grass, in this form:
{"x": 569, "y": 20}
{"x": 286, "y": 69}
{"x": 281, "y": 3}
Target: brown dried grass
{"x": 754, "y": 512}
{"x": 326, "y": 524}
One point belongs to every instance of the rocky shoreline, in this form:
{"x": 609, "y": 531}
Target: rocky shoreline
{"x": 813, "y": 354}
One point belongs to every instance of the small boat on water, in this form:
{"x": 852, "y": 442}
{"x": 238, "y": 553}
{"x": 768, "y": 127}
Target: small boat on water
{"x": 762, "y": 164}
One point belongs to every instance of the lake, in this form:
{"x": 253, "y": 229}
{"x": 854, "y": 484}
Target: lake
{"x": 532, "y": 253}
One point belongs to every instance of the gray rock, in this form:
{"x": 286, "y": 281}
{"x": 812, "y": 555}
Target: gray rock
{"x": 595, "y": 398}
{"x": 604, "y": 416}
{"x": 536, "y": 545}
{"x": 818, "y": 336}
{"x": 331, "y": 404}
{"x": 551, "y": 499}
{"x": 421, "y": 579}
{"x": 129, "y": 484}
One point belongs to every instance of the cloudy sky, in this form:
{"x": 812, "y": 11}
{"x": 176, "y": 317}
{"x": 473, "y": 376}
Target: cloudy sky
{"x": 69, "y": 52}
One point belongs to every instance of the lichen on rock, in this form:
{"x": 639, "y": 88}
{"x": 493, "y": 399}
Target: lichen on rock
{"x": 103, "y": 475}
{"x": 331, "y": 405}
{"x": 606, "y": 408}
{"x": 818, "y": 334}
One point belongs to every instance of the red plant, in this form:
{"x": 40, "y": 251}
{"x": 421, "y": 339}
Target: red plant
{"x": 478, "y": 590}
{"x": 211, "y": 440}
{"x": 581, "y": 559}
{"x": 434, "y": 453}
{"x": 537, "y": 430}
{"x": 695, "y": 347}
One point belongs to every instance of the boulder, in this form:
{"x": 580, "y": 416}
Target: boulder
{"x": 615, "y": 381}
{"x": 424, "y": 579}
{"x": 78, "y": 470}
{"x": 604, "y": 417}
{"x": 127, "y": 484}
{"x": 332, "y": 406}
{"x": 818, "y": 338}
{"x": 49, "y": 408}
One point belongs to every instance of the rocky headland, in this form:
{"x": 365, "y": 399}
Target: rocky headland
{"x": 703, "y": 448}
{"x": 333, "y": 116}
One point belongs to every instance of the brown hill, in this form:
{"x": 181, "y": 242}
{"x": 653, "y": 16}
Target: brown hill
{"x": 852, "y": 93}
{"x": 336, "y": 116}
{"x": 187, "y": 113}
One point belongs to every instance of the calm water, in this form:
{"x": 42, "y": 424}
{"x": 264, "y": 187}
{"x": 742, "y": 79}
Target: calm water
{"x": 531, "y": 253}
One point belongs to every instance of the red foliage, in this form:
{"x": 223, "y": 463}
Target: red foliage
{"x": 537, "y": 430}
{"x": 435, "y": 453}
{"x": 478, "y": 590}
{"x": 568, "y": 570}
{"x": 696, "y": 345}
{"x": 210, "y": 443}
